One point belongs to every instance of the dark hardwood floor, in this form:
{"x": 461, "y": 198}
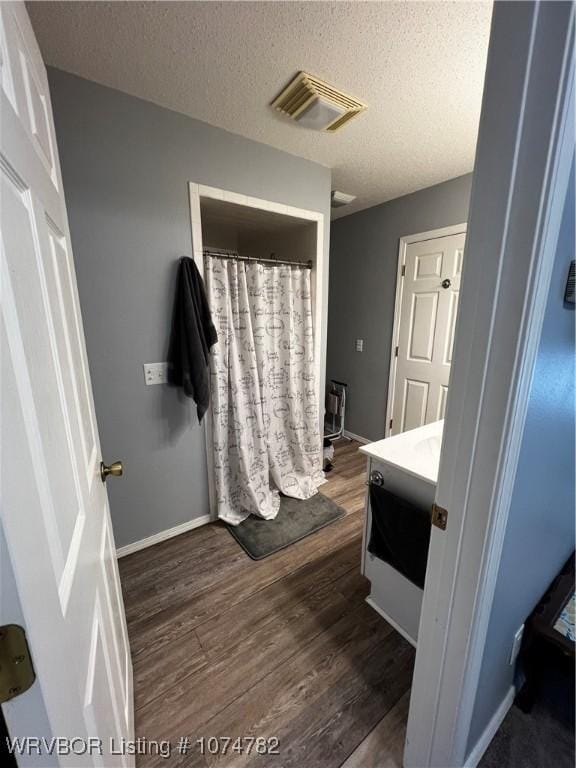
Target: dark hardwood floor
{"x": 285, "y": 647}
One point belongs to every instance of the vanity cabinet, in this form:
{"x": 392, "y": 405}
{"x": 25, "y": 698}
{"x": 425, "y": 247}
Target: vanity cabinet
{"x": 406, "y": 465}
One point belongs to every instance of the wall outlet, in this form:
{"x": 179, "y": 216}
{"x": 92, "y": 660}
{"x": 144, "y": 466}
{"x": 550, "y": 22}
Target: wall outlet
{"x": 359, "y": 345}
{"x": 155, "y": 373}
{"x": 516, "y": 645}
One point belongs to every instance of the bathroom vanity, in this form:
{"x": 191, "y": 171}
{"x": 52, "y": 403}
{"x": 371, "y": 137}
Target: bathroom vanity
{"x": 406, "y": 466}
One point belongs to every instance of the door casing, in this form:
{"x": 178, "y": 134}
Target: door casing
{"x": 198, "y": 192}
{"x": 524, "y": 157}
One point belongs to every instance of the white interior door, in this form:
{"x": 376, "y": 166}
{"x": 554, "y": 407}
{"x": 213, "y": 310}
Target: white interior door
{"x": 428, "y": 302}
{"x": 55, "y": 515}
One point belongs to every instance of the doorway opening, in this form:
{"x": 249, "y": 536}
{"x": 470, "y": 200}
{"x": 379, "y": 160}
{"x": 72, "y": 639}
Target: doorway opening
{"x": 261, "y": 229}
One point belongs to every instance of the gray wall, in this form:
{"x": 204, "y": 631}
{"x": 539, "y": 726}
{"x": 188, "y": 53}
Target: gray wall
{"x": 540, "y": 531}
{"x": 126, "y": 164}
{"x": 363, "y": 264}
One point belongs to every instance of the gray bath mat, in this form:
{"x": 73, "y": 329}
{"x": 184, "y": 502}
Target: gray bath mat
{"x": 295, "y": 520}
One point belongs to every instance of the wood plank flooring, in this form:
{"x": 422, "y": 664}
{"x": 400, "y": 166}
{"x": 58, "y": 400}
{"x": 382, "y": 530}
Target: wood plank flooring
{"x": 284, "y": 647}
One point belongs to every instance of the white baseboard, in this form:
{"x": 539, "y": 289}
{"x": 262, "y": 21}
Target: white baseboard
{"x": 162, "y": 536}
{"x": 490, "y": 731}
{"x": 358, "y": 438}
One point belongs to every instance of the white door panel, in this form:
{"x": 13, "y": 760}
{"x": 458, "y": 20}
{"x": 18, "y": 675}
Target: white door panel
{"x": 55, "y": 513}
{"x": 425, "y": 339}
{"x": 415, "y": 403}
{"x": 422, "y": 326}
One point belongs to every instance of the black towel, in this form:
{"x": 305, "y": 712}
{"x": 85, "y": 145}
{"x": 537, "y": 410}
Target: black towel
{"x": 400, "y": 534}
{"x": 192, "y": 335}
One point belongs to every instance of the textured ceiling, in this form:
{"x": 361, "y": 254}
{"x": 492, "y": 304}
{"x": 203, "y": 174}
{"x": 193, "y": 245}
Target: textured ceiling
{"x": 419, "y": 65}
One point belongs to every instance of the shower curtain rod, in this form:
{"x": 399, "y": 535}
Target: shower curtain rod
{"x": 236, "y": 257}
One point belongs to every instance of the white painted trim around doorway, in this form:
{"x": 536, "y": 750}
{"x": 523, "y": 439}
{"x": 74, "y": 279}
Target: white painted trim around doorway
{"x": 196, "y": 193}
{"x": 523, "y": 164}
{"x": 456, "y": 229}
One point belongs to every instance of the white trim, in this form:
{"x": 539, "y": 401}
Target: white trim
{"x": 405, "y": 240}
{"x": 434, "y": 234}
{"x": 358, "y": 438}
{"x": 525, "y": 151}
{"x": 198, "y": 191}
{"x": 490, "y": 731}
{"x": 397, "y": 627}
{"x": 169, "y": 533}
{"x": 197, "y": 246}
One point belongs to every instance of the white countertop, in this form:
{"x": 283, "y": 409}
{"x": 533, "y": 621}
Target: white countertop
{"x": 416, "y": 452}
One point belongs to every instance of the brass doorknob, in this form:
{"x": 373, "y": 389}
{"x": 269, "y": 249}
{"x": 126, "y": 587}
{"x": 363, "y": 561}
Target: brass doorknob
{"x": 115, "y": 469}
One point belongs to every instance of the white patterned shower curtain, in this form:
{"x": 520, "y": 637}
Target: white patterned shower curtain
{"x": 265, "y": 416}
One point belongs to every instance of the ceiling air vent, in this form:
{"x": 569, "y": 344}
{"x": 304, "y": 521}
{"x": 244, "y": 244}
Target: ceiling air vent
{"x": 317, "y": 105}
{"x": 338, "y": 199}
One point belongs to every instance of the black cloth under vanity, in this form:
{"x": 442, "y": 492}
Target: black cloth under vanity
{"x": 399, "y": 534}
{"x": 192, "y": 335}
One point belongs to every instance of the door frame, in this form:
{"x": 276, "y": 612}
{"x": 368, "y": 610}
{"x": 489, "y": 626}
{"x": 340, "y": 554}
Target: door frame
{"x": 197, "y": 192}
{"x": 404, "y": 242}
{"x": 523, "y": 163}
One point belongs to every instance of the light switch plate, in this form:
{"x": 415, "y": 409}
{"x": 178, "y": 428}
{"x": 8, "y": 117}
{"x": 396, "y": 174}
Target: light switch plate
{"x": 155, "y": 373}
{"x": 359, "y": 345}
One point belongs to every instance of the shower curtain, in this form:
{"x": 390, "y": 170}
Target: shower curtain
{"x": 266, "y": 432}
